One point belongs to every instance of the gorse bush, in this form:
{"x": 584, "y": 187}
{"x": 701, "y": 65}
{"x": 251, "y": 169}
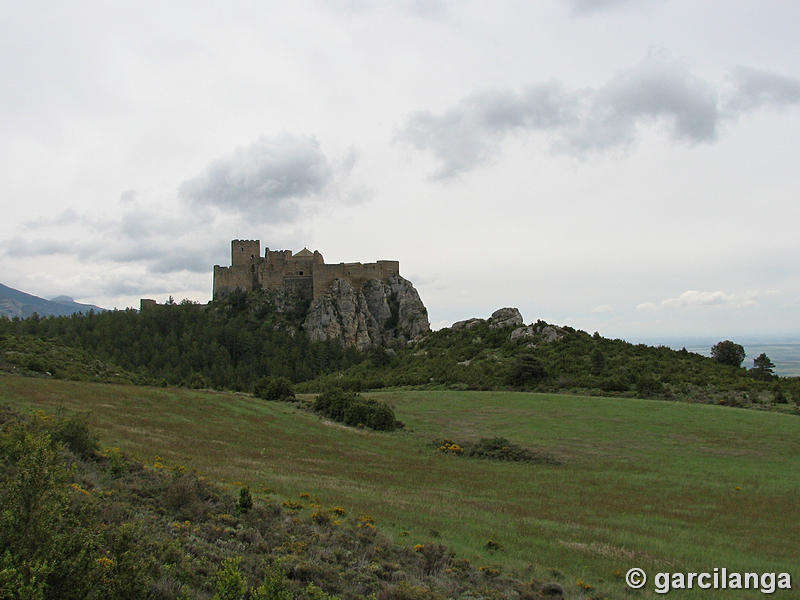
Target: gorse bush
{"x": 498, "y": 448}
{"x": 352, "y": 409}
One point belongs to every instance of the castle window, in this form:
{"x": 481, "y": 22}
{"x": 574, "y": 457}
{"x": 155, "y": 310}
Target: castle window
{"x": 299, "y": 272}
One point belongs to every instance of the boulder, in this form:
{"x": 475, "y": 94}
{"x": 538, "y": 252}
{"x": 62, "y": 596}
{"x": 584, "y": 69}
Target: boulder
{"x": 467, "y": 324}
{"x": 505, "y": 317}
{"x": 551, "y": 333}
{"x": 523, "y": 332}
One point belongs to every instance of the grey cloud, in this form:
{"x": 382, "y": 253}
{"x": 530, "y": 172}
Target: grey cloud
{"x": 190, "y": 258}
{"x": 267, "y": 182}
{"x": 162, "y": 244}
{"x": 133, "y": 285}
{"x": 34, "y": 247}
{"x": 265, "y": 179}
{"x": 424, "y": 9}
{"x": 66, "y": 217}
{"x": 128, "y": 196}
{"x": 754, "y": 88}
{"x": 464, "y": 136}
{"x": 654, "y": 90}
{"x": 588, "y": 6}
{"x": 592, "y": 120}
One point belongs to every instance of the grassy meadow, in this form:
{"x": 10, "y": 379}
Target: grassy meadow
{"x": 659, "y": 485}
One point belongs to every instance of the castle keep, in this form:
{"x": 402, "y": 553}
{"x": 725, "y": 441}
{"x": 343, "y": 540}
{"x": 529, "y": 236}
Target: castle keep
{"x": 304, "y": 273}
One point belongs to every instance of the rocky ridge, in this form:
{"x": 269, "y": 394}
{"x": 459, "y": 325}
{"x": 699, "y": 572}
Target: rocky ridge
{"x": 511, "y": 317}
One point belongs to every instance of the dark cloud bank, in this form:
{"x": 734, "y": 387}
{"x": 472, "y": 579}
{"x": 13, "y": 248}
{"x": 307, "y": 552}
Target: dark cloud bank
{"x": 578, "y": 122}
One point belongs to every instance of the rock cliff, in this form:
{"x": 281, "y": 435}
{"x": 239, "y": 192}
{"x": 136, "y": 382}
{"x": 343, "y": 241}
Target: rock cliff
{"x": 382, "y": 313}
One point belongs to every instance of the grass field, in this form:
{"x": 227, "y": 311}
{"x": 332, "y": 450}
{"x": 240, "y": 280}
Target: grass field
{"x": 662, "y": 486}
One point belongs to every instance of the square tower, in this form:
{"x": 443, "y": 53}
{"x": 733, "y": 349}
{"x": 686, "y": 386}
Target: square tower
{"x": 245, "y": 252}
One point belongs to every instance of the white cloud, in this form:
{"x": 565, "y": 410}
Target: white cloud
{"x": 602, "y": 308}
{"x": 698, "y": 299}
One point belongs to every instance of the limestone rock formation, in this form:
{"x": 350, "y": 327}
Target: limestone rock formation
{"x": 540, "y": 330}
{"x": 382, "y": 313}
{"x": 467, "y": 324}
{"x": 523, "y": 332}
{"x": 550, "y": 333}
{"x": 505, "y": 317}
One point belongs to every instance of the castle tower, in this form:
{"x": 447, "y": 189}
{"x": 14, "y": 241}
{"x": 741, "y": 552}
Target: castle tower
{"x": 245, "y": 252}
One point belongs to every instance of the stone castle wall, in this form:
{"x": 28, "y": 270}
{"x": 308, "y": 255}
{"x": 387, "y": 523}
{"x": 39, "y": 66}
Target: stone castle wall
{"x": 356, "y": 274}
{"x": 305, "y": 272}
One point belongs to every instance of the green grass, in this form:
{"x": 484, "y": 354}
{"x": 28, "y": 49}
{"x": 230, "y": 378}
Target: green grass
{"x": 663, "y": 486}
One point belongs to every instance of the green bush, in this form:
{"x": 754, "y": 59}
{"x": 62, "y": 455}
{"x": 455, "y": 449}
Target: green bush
{"x": 274, "y": 587}
{"x": 527, "y": 370}
{"x": 75, "y": 434}
{"x": 229, "y": 582}
{"x": 351, "y": 409}
{"x": 275, "y": 388}
{"x": 245, "y": 499}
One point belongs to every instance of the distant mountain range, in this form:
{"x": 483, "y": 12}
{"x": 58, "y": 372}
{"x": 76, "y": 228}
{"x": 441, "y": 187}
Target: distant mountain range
{"x": 14, "y": 303}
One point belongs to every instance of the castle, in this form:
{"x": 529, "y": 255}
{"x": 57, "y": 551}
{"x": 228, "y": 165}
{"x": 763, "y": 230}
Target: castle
{"x": 304, "y": 273}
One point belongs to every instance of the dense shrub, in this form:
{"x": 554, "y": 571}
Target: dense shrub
{"x": 527, "y": 369}
{"x": 352, "y": 409}
{"x": 75, "y": 434}
{"x": 275, "y": 388}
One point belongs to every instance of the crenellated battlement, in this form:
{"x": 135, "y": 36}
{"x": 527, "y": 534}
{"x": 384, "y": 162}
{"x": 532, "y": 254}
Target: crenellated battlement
{"x": 304, "y": 272}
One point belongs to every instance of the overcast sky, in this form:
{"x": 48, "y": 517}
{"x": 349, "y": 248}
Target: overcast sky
{"x": 627, "y": 167}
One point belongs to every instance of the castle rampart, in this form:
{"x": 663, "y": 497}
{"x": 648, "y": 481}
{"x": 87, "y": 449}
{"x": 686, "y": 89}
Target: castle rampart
{"x": 304, "y": 273}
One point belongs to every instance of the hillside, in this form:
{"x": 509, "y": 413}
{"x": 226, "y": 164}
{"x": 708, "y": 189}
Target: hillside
{"x": 14, "y": 303}
{"x": 496, "y": 354}
{"x": 643, "y": 483}
{"x": 234, "y": 341}
{"x": 83, "y": 522}
{"x": 27, "y": 355}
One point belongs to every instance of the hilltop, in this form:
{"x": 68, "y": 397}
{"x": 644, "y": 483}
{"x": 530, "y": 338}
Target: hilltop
{"x": 501, "y": 352}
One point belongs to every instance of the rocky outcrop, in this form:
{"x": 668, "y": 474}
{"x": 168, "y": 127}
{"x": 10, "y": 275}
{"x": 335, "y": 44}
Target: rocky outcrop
{"x": 505, "y": 317}
{"x": 540, "y": 330}
{"x": 382, "y": 313}
{"x": 467, "y": 324}
{"x": 551, "y": 333}
{"x": 523, "y": 332}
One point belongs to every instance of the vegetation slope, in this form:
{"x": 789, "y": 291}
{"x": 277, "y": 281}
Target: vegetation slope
{"x": 234, "y": 342}
{"x": 659, "y": 485}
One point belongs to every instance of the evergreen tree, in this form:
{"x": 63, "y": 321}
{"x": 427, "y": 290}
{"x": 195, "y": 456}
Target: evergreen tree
{"x": 762, "y": 367}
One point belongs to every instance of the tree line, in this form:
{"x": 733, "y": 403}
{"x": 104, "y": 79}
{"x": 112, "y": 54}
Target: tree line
{"x": 227, "y": 344}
